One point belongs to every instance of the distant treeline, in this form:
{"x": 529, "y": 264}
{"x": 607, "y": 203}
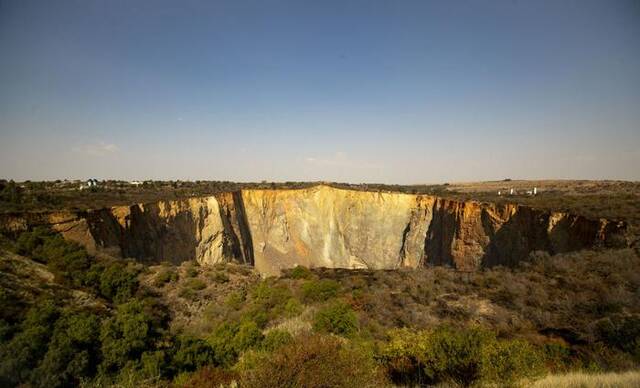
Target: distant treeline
{"x": 54, "y": 195}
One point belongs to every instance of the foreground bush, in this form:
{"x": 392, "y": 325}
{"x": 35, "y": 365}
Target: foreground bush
{"x": 458, "y": 356}
{"x": 313, "y": 361}
{"x": 622, "y": 332}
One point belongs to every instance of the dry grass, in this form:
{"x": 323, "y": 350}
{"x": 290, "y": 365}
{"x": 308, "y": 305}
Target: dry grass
{"x": 590, "y": 380}
{"x": 298, "y": 324}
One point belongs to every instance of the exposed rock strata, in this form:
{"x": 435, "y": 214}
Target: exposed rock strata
{"x": 327, "y": 227}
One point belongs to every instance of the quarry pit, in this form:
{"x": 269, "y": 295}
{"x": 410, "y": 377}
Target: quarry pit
{"x": 324, "y": 226}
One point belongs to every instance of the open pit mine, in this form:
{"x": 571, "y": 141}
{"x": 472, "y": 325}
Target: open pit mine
{"x": 324, "y": 226}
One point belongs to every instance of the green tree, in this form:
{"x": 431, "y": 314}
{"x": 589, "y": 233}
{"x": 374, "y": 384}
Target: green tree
{"x": 118, "y": 281}
{"x": 72, "y": 353}
{"x": 22, "y": 353}
{"x": 127, "y": 335}
{"x": 11, "y": 193}
{"x": 67, "y": 260}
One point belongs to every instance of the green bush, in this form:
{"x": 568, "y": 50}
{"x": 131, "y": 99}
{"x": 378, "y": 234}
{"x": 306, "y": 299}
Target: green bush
{"x": 230, "y": 339}
{"x": 71, "y": 267}
{"x": 337, "y": 318}
{"x": 195, "y": 284}
{"x": 256, "y": 315}
{"x": 247, "y": 336}
{"x": 220, "y": 277}
{"x": 72, "y": 352}
{"x": 276, "y": 339}
{"x": 459, "y": 356}
{"x": 28, "y": 242}
{"x": 269, "y": 295}
{"x": 68, "y": 261}
{"x": 221, "y": 342}
{"x": 558, "y": 357}
{"x": 622, "y": 332}
{"x": 300, "y": 272}
{"x": 268, "y": 302}
{"x": 188, "y": 294}
{"x": 165, "y": 276}
{"x": 154, "y": 365}
{"x": 455, "y": 355}
{"x": 319, "y": 290}
{"x": 293, "y": 307}
{"x": 192, "y": 354}
{"x": 506, "y": 362}
{"x": 20, "y": 356}
{"x": 192, "y": 271}
{"x": 235, "y": 300}
{"x": 118, "y": 281}
{"x": 127, "y": 335}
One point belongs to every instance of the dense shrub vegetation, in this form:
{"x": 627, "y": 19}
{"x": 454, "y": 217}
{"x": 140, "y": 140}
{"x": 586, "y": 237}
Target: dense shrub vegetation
{"x": 459, "y": 356}
{"x": 313, "y": 361}
{"x": 104, "y": 321}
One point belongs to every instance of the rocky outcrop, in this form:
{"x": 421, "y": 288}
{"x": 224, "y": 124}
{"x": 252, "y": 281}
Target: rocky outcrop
{"x": 327, "y": 227}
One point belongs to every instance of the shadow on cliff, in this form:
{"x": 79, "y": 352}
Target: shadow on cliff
{"x": 238, "y": 241}
{"x": 149, "y": 236}
{"x": 524, "y": 232}
{"x": 146, "y": 235}
{"x": 530, "y": 230}
{"x": 440, "y": 235}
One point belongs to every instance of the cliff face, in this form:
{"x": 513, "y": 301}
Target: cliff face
{"x": 327, "y": 227}
{"x": 324, "y": 226}
{"x": 210, "y": 230}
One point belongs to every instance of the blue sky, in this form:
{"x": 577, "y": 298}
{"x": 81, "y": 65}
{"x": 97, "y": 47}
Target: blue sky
{"x": 359, "y": 91}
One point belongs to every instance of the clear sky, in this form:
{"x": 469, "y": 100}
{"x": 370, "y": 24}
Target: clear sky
{"x": 358, "y": 91}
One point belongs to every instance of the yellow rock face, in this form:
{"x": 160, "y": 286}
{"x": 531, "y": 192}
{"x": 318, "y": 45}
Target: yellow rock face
{"x": 327, "y": 227}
